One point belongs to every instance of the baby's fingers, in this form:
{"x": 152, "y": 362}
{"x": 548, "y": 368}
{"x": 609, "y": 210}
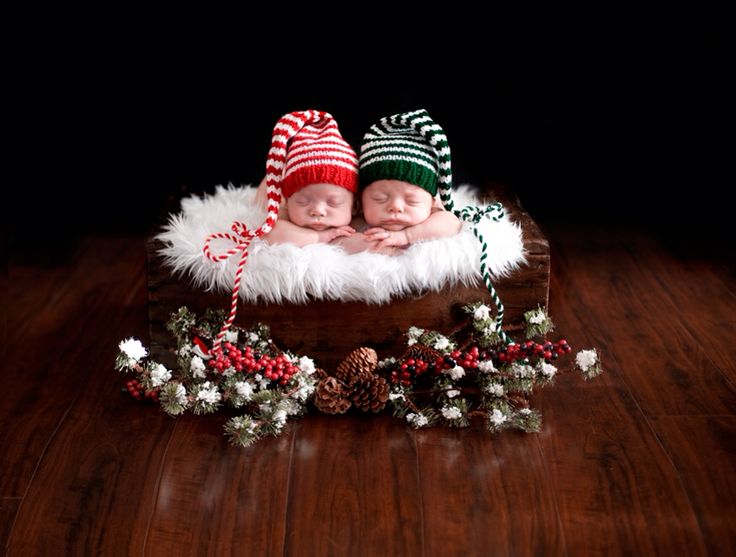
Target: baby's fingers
{"x": 382, "y": 235}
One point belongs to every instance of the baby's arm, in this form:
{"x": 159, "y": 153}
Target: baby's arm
{"x": 286, "y": 232}
{"x": 439, "y": 224}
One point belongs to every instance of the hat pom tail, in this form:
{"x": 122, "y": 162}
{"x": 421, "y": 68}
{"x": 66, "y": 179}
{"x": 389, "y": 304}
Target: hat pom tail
{"x": 433, "y": 133}
{"x": 284, "y": 130}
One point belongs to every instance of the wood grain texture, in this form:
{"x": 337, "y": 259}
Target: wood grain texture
{"x": 8, "y": 510}
{"x": 55, "y": 317}
{"x": 700, "y": 295}
{"x": 486, "y": 494}
{"x": 27, "y": 307}
{"x": 663, "y": 365}
{"x": 227, "y": 500}
{"x": 95, "y": 485}
{"x": 354, "y": 488}
{"x": 319, "y": 327}
{"x": 703, "y": 450}
{"x": 617, "y": 491}
{"x": 95, "y": 489}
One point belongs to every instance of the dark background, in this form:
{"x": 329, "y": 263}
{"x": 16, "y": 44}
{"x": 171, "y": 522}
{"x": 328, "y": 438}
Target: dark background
{"x": 619, "y": 119}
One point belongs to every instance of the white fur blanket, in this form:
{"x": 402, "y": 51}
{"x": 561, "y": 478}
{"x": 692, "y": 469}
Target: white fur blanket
{"x": 286, "y": 273}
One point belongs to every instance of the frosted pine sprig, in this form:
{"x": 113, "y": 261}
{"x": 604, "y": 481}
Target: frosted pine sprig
{"x": 588, "y": 363}
{"x": 242, "y": 431}
{"x": 132, "y": 351}
{"x": 207, "y": 398}
{"x": 538, "y": 323}
{"x": 173, "y": 398}
{"x": 455, "y": 413}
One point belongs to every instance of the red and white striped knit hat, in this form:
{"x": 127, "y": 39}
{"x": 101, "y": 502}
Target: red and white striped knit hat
{"x": 307, "y": 148}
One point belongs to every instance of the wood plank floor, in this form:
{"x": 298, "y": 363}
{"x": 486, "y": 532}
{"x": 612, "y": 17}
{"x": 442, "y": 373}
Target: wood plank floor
{"x": 640, "y": 461}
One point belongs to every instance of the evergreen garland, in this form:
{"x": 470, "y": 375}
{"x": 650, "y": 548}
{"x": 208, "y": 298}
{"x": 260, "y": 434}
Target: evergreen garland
{"x": 447, "y": 380}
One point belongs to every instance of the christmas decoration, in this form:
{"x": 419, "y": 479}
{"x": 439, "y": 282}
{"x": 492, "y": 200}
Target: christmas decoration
{"x": 370, "y": 394}
{"x": 331, "y": 396}
{"x": 448, "y": 380}
{"x": 358, "y": 366}
{"x": 248, "y": 372}
{"x": 538, "y": 323}
{"x": 588, "y": 363}
{"x": 354, "y": 383}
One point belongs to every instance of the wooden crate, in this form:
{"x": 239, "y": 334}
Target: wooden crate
{"x": 328, "y": 330}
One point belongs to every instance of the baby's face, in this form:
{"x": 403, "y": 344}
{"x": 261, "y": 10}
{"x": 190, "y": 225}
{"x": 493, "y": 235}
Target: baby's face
{"x": 321, "y": 206}
{"x": 395, "y": 205}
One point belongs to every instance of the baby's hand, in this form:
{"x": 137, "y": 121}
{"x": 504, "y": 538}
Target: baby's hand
{"x": 360, "y": 242}
{"x": 329, "y": 234}
{"x": 354, "y": 243}
{"x": 387, "y": 238}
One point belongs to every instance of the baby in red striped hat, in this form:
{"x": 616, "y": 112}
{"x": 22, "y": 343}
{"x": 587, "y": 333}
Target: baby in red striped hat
{"x": 316, "y": 171}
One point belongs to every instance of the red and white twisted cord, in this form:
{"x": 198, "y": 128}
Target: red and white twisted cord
{"x": 284, "y": 130}
{"x": 242, "y": 241}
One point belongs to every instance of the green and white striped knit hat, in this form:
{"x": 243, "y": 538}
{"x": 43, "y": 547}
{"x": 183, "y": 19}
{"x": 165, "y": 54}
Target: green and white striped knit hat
{"x": 409, "y": 147}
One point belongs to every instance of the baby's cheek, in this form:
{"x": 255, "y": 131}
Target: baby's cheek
{"x": 344, "y": 214}
{"x": 421, "y": 213}
{"x": 370, "y": 215}
{"x": 298, "y": 216}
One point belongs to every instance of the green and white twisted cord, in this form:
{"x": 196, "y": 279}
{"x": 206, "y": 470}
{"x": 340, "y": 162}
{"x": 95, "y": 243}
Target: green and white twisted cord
{"x": 474, "y": 215}
{"x": 421, "y": 122}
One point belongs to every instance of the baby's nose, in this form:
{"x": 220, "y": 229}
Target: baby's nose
{"x": 396, "y": 206}
{"x": 318, "y": 209}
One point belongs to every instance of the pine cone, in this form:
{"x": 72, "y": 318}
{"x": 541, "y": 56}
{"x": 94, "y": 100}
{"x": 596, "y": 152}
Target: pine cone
{"x": 358, "y": 366}
{"x": 422, "y": 352}
{"x": 518, "y": 400}
{"x": 370, "y": 394}
{"x": 330, "y": 397}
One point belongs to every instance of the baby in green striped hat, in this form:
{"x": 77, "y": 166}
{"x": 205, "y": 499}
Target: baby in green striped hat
{"x": 404, "y": 165}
